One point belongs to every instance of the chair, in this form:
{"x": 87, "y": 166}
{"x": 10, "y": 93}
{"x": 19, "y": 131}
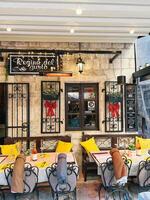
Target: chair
{"x": 143, "y": 176}
{"x": 8, "y": 140}
{"x": 30, "y": 178}
{"x": 113, "y": 190}
{"x": 2, "y": 196}
{"x": 66, "y": 188}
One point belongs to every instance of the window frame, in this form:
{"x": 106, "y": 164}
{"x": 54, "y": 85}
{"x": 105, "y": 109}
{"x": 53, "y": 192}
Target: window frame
{"x": 81, "y": 103}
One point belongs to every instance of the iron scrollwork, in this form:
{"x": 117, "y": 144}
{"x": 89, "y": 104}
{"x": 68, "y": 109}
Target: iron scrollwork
{"x": 18, "y": 109}
{"x": 50, "y": 107}
{"x": 113, "y": 107}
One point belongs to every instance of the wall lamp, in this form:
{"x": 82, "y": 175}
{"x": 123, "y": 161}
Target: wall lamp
{"x": 121, "y": 80}
{"x": 80, "y": 63}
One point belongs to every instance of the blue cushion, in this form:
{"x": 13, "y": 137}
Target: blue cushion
{"x": 61, "y": 169}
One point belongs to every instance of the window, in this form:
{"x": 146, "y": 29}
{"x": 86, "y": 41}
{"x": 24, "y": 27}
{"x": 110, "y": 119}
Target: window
{"x": 81, "y": 106}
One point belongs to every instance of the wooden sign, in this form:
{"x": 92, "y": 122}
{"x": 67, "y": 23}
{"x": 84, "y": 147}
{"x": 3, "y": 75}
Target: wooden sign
{"x": 33, "y": 64}
{"x": 130, "y": 107}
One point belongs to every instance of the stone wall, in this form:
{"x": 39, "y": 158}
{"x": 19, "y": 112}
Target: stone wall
{"x": 96, "y": 69}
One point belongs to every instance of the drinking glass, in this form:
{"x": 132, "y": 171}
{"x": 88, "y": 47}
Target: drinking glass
{"x": 42, "y": 148}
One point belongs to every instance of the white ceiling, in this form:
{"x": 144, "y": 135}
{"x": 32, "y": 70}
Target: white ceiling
{"x": 100, "y": 21}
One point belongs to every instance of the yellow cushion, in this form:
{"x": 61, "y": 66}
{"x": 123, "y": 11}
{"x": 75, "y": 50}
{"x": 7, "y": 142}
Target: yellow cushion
{"x": 10, "y": 149}
{"x": 144, "y": 143}
{"x": 18, "y": 145}
{"x": 64, "y": 147}
{"x": 90, "y": 145}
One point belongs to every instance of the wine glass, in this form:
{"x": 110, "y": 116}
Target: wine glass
{"x": 42, "y": 148}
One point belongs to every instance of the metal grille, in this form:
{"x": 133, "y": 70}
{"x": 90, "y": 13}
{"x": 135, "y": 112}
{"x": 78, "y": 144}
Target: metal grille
{"x": 130, "y": 107}
{"x": 124, "y": 142}
{"x": 50, "y": 107}
{"x": 18, "y": 110}
{"x": 113, "y": 107}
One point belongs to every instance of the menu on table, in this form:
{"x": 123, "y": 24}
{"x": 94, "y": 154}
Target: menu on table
{"x": 2, "y": 158}
{"x": 100, "y": 157}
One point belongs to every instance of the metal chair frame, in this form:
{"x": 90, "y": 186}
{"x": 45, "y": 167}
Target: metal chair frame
{"x": 71, "y": 169}
{"x": 2, "y": 193}
{"x": 110, "y": 188}
{"x": 144, "y": 165}
{"x": 28, "y": 170}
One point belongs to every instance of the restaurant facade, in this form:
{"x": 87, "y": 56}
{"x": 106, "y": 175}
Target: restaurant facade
{"x": 25, "y": 117}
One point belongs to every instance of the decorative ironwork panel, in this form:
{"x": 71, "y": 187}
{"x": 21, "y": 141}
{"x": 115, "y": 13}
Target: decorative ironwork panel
{"x": 18, "y": 110}
{"x": 103, "y": 142}
{"x": 49, "y": 145}
{"x": 50, "y": 107}
{"x": 113, "y": 107}
{"x": 130, "y": 107}
{"x": 123, "y": 142}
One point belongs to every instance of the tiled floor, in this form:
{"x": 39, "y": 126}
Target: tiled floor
{"x": 85, "y": 191}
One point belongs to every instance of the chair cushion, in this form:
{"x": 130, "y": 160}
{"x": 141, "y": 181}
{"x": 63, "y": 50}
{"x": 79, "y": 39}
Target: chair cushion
{"x": 10, "y": 149}
{"x": 90, "y": 145}
{"x": 144, "y": 143}
{"x": 61, "y": 169}
{"x": 64, "y": 147}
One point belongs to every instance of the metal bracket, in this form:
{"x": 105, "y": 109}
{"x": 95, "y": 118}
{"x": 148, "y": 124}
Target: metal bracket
{"x": 117, "y": 53}
{"x": 103, "y": 90}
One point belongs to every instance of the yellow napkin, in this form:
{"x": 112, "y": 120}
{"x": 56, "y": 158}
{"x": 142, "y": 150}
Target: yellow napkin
{"x": 3, "y": 166}
{"x": 44, "y": 155}
{"x": 41, "y": 164}
{"x": 146, "y": 158}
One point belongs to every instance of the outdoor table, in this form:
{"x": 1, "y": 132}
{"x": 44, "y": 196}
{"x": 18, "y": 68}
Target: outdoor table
{"x": 44, "y": 160}
{"x": 144, "y": 196}
{"x": 100, "y": 157}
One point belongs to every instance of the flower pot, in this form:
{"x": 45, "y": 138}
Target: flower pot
{"x": 131, "y": 153}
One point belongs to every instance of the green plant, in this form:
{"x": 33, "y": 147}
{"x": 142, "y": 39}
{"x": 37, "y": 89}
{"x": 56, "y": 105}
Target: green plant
{"x": 114, "y": 97}
{"x": 131, "y": 147}
{"x": 27, "y": 152}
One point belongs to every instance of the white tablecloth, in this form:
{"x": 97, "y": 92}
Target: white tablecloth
{"x": 49, "y": 158}
{"x": 144, "y": 196}
{"x": 103, "y": 155}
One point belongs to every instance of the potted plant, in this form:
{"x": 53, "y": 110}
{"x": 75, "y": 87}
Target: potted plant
{"x": 114, "y": 97}
{"x": 50, "y": 95}
{"x": 131, "y": 148}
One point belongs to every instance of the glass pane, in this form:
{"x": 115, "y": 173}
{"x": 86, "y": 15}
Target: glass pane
{"x": 73, "y": 121}
{"x": 90, "y": 121}
{"x": 89, "y": 106}
{"x": 73, "y": 107}
{"x": 89, "y": 93}
{"x": 73, "y": 93}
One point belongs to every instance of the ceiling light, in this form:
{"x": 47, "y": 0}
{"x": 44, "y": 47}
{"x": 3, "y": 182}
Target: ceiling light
{"x": 72, "y": 30}
{"x": 79, "y": 11}
{"x": 8, "y": 29}
{"x": 132, "y": 31}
